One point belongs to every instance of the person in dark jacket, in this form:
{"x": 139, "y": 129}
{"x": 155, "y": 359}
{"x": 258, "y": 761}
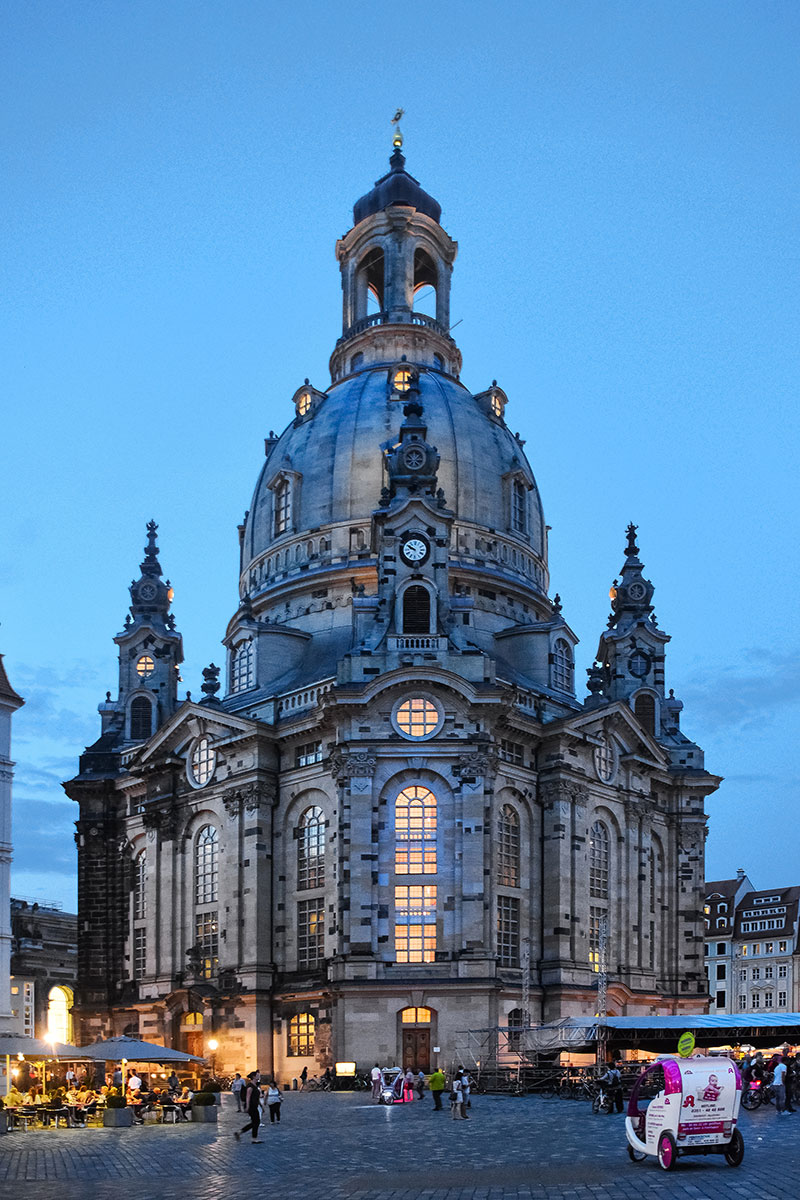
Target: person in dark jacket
{"x": 252, "y": 1104}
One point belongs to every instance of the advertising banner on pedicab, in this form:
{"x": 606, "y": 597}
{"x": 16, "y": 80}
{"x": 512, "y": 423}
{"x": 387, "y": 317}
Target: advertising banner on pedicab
{"x": 708, "y": 1101}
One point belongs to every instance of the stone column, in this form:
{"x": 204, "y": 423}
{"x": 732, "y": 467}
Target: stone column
{"x": 565, "y": 887}
{"x": 475, "y": 930}
{"x": 357, "y": 930}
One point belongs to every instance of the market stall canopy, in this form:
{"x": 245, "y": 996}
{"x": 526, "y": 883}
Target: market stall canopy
{"x": 132, "y": 1050}
{"x": 14, "y": 1044}
{"x": 661, "y": 1033}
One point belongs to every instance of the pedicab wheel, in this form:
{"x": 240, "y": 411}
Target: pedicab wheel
{"x": 734, "y": 1152}
{"x": 596, "y": 1105}
{"x": 636, "y": 1155}
{"x": 667, "y": 1151}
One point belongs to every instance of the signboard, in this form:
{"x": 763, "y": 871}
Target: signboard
{"x": 685, "y": 1044}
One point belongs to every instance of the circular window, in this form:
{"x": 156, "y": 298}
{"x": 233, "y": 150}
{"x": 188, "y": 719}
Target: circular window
{"x": 202, "y": 761}
{"x": 605, "y": 760}
{"x": 145, "y": 666}
{"x": 417, "y": 718}
{"x": 639, "y": 664}
{"x": 402, "y": 379}
{"x": 303, "y": 403}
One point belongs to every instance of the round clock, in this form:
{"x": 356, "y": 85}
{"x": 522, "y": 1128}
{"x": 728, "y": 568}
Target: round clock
{"x": 147, "y": 591}
{"x": 636, "y": 591}
{"x": 414, "y": 549}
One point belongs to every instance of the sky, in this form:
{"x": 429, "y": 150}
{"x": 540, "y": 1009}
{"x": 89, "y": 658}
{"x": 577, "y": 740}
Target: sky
{"x": 622, "y": 179}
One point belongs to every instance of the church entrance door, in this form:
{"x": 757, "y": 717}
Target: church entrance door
{"x": 417, "y": 1049}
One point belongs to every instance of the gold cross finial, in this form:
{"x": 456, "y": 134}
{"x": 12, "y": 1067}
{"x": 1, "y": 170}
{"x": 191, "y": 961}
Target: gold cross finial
{"x": 397, "y": 137}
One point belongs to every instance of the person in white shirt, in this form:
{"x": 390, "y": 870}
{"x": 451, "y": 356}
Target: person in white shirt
{"x": 779, "y": 1087}
{"x": 377, "y": 1079}
{"x": 456, "y": 1097}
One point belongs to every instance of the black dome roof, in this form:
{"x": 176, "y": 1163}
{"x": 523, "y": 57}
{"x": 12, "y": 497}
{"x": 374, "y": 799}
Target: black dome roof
{"x": 398, "y": 187}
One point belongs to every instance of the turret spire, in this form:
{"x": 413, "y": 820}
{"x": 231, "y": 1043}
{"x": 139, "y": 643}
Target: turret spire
{"x": 151, "y": 565}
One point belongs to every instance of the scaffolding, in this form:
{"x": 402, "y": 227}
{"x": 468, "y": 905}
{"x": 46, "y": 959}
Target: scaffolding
{"x": 515, "y": 1058}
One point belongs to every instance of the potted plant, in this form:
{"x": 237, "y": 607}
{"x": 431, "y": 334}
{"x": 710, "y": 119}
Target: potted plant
{"x": 215, "y": 1088}
{"x": 204, "y": 1107}
{"x": 116, "y": 1114}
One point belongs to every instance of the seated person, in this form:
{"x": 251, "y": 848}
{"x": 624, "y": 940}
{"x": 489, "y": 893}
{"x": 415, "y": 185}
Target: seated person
{"x": 14, "y": 1097}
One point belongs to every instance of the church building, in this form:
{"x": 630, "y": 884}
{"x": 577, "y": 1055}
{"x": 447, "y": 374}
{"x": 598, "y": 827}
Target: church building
{"x": 392, "y": 815}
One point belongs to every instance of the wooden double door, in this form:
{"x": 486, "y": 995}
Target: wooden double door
{"x": 417, "y": 1050}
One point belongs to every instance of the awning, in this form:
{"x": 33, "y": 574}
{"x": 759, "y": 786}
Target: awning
{"x": 133, "y": 1050}
{"x": 14, "y": 1044}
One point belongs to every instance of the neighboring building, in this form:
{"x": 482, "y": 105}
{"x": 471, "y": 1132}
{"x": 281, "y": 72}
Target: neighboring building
{"x": 44, "y": 963}
{"x": 752, "y": 960}
{"x": 400, "y": 800}
{"x": 9, "y": 703}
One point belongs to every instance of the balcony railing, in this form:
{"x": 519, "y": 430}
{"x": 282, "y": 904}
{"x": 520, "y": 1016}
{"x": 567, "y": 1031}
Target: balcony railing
{"x": 417, "y": 641}
{"x": 382, "y": 318}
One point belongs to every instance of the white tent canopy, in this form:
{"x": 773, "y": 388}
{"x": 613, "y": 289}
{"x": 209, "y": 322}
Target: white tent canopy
{"x": 133, "y": 1050}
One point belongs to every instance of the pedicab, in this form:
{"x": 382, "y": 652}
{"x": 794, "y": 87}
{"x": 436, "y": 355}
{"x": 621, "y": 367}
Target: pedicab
{"x": 685, "y": 1106}
{"x": 389, "y": 1078}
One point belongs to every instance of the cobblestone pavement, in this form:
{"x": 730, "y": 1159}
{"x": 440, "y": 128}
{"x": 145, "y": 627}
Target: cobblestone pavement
{"x": 329, "y": 1147}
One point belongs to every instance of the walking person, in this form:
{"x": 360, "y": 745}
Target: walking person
{"x": 408, "y": 1086}
{"x": 420, "y": 1084}
{"x": 455, "y": 1096}
{"x": 274, "y": 1101}
{"x": 303, "y": 1078}
{"x": 237, "y": 1087}
{"x": 252, "y": 1104}
{"x": 436, "y": 1084}
{"x": 779, "y": 1087}
{"x": 377, "y": 1080}
{"x": 464, "y": 1093}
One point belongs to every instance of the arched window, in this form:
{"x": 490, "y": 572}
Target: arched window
{"x": 59, "y": 1014}
{"x": 519, "y": 506}
{"x": 311, "y": 849}
{"x": 644, "y": 706}
{"x": 242, "y": 669}
{"x": 598, "y": 861}
{"x": 416, "y": 610}
{"x": 415, "y": 831}
{"x": 301, "y": 1036}
{"x": 508, "y": 847}
{"x": 425, "y": 282}
{"x": 516, "y": 1024}
{"x": 139, "y": 892}
{"x": 356, "y": 361}
{"x": 562, "y": 666}
{"x": 141, "y": 718}
{"x": 206, "y": 865}
{"x": 283, "y": 506}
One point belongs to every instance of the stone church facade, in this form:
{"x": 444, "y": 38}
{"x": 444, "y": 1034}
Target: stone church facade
{"x": 394, "y": 818}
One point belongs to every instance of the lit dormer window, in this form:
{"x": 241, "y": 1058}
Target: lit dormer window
{"x": 145, "y": 666}
{"x": 303, "y": 403}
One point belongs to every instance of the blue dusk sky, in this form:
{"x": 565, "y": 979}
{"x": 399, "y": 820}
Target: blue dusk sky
{"x": 623, "y": 181}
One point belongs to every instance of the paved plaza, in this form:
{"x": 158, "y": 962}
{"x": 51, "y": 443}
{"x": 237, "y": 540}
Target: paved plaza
{"x": 333, "y": 1146}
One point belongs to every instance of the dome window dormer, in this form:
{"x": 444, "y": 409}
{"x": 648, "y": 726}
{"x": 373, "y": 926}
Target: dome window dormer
{"x": 493, "y": 401}
{"x": 403, "y": 377}
{"x": 306, "y": 400}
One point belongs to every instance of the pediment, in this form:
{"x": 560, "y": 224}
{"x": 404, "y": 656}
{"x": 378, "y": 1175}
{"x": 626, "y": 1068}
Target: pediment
{"x": 191, "y": 721}
{"x": 620, "y": 721}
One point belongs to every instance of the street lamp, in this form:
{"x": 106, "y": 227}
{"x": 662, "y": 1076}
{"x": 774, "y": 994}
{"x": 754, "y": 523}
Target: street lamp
{"x": 212, "y": 1045}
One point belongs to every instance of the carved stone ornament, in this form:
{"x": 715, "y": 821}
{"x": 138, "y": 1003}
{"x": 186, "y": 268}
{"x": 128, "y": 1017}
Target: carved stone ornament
{"x": 164, "y": 821}
{"x": 562, "y": 790}
{"x": 352, "y": 766}
{"x": 475, "y": 763}
{"x": 249, "y": 796}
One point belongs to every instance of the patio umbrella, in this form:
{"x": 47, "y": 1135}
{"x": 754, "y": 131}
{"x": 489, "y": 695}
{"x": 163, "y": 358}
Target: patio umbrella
{"x": 128, "y": 1049}
{"x": 12, "y": 1045}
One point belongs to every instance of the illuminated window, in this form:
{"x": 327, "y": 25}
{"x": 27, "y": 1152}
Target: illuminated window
{"x": 508, "y": 931}
{"x": 310, "y": 932}
{"x": 402, "y": 379}
{"x": 497, "y": 404}
{"x": 598, "y": 861}
{"x": 508, "y": 857}
{"x": 415, "y": 1016}
{"x": 139, "y": 893}
{"x": 562, "y": 666}
{"x": 207, "y": 940}
{"x": 311, "y": 849}
{"x": 417, "y": 717}
{"x": 605, "y": 756}
{"x": 415, "y": 832}
{"x": 206, "y": 865}
{"x": 283, "y": 503}
{"x": 301, "y": 1036}
{"x": 307, "y": 754}
{"x": 519, "y": 506}
{"x": 415, "y": 923}
{"x": 141, "y": 718}
{"x": 145, "y": 666}
{"x": 59, "y": 1014}
{"x": 303, "y": 403}
{"x": 139, "y": 952}
{"x": 242, "y": 667}
{"x": 203, "y": 761}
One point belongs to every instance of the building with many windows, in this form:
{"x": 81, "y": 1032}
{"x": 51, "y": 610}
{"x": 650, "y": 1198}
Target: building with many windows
{"x": 751, "y": 947}
{"x": 397, "y": 816}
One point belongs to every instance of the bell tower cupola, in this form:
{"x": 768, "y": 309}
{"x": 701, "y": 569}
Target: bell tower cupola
{"x": 396, "y": 264}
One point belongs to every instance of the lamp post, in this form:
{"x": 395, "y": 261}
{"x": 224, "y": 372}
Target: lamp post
{"x": 212, "y": 1045}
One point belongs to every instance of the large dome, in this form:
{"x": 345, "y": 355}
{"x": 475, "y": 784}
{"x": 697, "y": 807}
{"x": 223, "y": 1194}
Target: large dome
{"x": 334, "y": 453}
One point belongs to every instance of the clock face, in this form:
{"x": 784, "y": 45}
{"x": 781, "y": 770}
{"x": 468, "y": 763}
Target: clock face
{"x": 147, "y": 591}
{"x": 414, "y": 458}
{"x": 414, "y": 548}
